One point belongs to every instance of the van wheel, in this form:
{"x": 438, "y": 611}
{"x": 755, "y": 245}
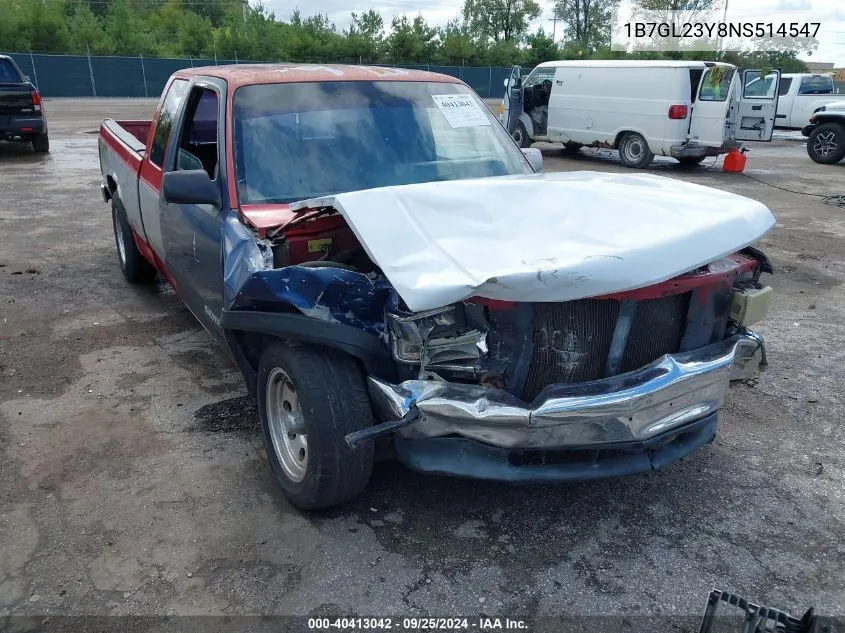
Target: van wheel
{"x": 309, "y": 399}
{"x": 520, "y": 135}
{"x": 634, "y": 151}
{"x": 41, "y": 143}
{"x": 826, "y": 144}
{"x": 135, "y": 268}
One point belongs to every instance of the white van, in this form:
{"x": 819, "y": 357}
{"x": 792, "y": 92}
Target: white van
{"x": 684, "y": 109}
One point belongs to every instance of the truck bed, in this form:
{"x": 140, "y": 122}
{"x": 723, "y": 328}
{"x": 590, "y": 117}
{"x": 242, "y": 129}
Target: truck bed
{"x": 122, "y": 146}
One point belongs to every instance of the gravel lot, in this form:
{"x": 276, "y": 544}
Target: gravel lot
{"x": 134, "y": 479}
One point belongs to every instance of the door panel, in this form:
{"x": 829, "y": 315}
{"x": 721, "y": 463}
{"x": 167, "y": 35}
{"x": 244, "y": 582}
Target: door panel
{"x": 513, "y": 99}
{"x": 756, "y": 111}
{"x": 192, "y": 233}
{"x": 708, "y": 121}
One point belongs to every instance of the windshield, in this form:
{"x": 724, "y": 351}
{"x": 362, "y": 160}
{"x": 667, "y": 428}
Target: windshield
{"x": 303, "y": 140}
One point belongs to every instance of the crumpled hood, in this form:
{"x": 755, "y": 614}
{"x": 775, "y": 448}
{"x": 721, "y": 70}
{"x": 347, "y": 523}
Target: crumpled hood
{"x": 544, "y": 237}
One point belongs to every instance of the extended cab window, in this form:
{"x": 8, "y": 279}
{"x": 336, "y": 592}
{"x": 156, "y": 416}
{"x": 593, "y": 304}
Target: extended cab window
{"x": 820, "y": 85}
{"x": 198, "y": 139}
{"x": 294, "y": 141}
{"x": 8, "y": 73}
{"x": 785, "y": 85}
{"x": 165, "y": 120}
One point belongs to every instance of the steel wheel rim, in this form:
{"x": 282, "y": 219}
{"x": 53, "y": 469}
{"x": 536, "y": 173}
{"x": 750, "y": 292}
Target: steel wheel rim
{"x": 630, "y": 150}
{"x": 284, "y": 418}
{"x": 825, "y": 144}
{"x": 121, "y": 246}
{"x": 517, "y": 136}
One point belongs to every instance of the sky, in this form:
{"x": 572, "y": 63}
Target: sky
{"x": 830, "y": 13}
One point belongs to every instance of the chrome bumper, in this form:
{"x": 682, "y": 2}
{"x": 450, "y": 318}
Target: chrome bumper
{"x": 671, "y": 392}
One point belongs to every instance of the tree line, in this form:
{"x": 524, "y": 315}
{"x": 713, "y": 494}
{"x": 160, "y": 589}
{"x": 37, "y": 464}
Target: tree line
{"x": 484, "y": 33}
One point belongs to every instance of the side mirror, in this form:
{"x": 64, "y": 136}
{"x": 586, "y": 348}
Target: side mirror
{"x": 534, "y": 157}
{"x": 190, "y": 187}
{"x": 507, "y": 79}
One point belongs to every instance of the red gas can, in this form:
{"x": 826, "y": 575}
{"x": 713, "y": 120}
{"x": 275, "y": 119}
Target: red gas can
{"x": 734, "y": 161}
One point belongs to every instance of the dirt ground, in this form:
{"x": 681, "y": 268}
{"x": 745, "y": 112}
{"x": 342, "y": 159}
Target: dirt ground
{"x": 133, "y": 478}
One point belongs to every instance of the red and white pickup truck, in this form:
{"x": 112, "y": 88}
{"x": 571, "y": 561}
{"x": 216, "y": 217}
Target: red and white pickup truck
{"x": 384, "y": 264}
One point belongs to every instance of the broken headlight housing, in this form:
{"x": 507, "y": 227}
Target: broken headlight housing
{"x": 408, "y": 333}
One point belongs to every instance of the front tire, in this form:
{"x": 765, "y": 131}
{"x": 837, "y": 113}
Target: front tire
{"x": 520, "y": 135}
{"x": 41, "y": 143}
{"x": 309, "y": 399}
{"x": 826, "y": 143}
{"x": 134, "y": 267}
{"x": 634, "y": 151}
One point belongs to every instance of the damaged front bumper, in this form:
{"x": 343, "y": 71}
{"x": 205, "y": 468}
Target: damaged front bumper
{"x": 623, "y": 424}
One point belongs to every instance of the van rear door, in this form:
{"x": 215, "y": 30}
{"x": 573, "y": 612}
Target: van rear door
{"x": 756, "y": 105}
{"x": 708, "y": 120}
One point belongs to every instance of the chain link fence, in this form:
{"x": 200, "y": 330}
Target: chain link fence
{"x": 84, "y": 76}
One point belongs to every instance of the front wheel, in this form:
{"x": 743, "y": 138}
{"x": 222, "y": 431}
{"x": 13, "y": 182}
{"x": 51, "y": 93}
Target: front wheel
{"x": 520, "y": 135}
{"x": 826, "y": 144}
{"x": 309, "y": 399}
{"x": 634, "y": 151}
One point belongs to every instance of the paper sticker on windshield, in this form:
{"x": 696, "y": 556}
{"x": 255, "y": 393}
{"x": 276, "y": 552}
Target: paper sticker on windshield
{"x": 461, "y": 110}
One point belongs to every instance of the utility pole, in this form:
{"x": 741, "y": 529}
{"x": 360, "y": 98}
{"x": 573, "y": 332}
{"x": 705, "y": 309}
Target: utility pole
{"x": 554, "y": 20}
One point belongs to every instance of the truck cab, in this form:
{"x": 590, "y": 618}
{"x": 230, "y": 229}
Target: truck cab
{"x": 799, "y": 95}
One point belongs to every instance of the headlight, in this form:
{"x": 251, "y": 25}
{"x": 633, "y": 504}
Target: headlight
{"x": 409, "y": 333}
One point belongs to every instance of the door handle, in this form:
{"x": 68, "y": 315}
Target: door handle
{"x": 757, "y": 107}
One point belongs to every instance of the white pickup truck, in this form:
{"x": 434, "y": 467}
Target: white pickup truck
{"x": 798, "y": 97}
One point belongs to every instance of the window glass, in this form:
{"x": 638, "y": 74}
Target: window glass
{"x": 165, "y": 120}
{"x": 818, "y": 85}
{"x": 303, "y": 140}
{"x": 716, "y": 84}
{"x": 540, "y": 75}
{"x": 8, "y": 73}
{"x": 198, "y": 141}
{"x": 757, "y": 87}
{"x": 785, "y": 85}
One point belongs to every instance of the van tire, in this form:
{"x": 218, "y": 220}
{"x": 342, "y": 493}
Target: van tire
{"x": 634, "y": 151}
{"x": 327, "y": 391}
{"x": 134, "y": 267}
{"x": 520, "y": 135}
{"x": 826, "y": 143}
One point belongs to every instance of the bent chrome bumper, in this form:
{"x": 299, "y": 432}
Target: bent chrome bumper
{"x": 669, "y": 393}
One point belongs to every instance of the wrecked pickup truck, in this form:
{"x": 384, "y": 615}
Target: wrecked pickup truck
{"x": 386, "y": 267}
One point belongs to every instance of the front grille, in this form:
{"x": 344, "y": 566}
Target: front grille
{"x": 572, "y": 339}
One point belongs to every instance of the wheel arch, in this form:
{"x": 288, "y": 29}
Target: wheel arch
{"x": 247, "y": 334}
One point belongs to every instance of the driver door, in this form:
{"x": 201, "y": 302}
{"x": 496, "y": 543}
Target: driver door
{"x": 513, "y": 99}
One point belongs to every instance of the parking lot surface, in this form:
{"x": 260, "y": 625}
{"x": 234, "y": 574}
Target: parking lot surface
{"x": 133, "y": 477}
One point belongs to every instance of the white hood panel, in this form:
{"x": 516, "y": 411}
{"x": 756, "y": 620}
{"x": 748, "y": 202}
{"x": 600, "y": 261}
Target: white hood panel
{"x": 544, "y": 237}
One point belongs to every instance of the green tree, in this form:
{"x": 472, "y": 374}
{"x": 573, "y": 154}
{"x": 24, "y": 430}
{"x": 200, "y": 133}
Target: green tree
{"x": 411, "y": 41}
{"x": 87, "y": 32}
{"x": 500, "y": 19}
{"x": 457, "y": 45}
{"x": 588, "y": 22}
{"x": 365, "y": 37}
{"x": 43, "y": 26}
{"x": 540, "y": 47}
{"x": 130, "y": 32}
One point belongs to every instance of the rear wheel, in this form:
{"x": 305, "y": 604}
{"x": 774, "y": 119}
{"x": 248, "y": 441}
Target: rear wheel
{"x": 309, "y": 399}
{"x": 826, "y": 144}
{"x": 634, "y": 151}
{"x": 520, "y": 135}
{"x": 135, "y": 268}
{"x": 41, "y": 143}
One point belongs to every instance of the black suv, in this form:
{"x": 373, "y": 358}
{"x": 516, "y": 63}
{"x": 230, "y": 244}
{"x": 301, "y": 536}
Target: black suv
{"x": 21, "y": 115}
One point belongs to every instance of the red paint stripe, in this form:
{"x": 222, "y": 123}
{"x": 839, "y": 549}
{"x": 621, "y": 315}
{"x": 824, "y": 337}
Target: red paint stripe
{"x": 150, "y": 255}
